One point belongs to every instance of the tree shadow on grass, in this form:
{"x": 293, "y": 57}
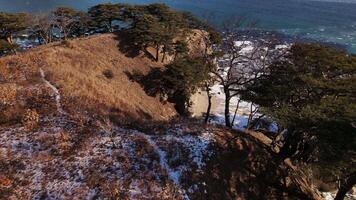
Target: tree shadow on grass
{"x": 128, "y": 46}
{"x": 152, "y": 83}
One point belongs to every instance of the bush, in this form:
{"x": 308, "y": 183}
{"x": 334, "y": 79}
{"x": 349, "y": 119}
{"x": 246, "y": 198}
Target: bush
{"x": 108, "y": 74}
{"x": 30, "y": 119}
{"x": 7, "y": 48}
{"x": 67, "y": 43}
{"x": 10, "y": 110}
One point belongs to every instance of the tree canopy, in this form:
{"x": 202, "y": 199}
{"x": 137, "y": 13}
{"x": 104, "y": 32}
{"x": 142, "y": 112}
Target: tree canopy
{"x": 153, "y": 25}
{"x": 11, "y": 23}
{"x": 104, "y": 15}
{"x": 312, "y": 93}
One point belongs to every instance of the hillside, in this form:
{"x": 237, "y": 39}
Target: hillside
{"x": 77, "y": 69}
{"x": 67, "y": 131}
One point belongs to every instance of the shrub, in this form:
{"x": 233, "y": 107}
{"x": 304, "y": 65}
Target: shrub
{"x": 30, "y": 119}
{"x": 10, "y": 110}
{"x": 108, "y": 74}
{"x": 67, "y": 43}
{"x": 7, "y": 94}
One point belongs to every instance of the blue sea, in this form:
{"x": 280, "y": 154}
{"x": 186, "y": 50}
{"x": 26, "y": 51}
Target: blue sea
{"x": 331, "y": 21}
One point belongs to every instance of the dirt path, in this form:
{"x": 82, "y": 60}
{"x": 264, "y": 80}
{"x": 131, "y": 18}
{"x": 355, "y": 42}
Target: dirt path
{"x": 55, "y": 91}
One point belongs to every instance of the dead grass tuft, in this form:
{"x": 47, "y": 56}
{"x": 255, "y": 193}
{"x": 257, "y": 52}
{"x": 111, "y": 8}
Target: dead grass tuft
{"x": 67, "y": 43}
{"x": 30, "y": 119}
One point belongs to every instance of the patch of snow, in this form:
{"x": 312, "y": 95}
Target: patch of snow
{"x": 128, "y": 159}
{"x": 246, "y": 46}
{"x": 162, "y": 157}
{"x": 242, "y": 114}
{"x": 197, "y": 145}
{"x": 135, "y": 189}
{"x": 328, "y": 196}
{"x": 55, "y": 90}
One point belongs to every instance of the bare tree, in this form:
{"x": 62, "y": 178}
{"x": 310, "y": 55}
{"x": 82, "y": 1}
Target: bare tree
{"x": 244, "y": 61}
{"x": 65, "y": 19}
{"x": 42, "y": 27}
{"x": 253, "y": 111}
{"x": 235, "y": 113}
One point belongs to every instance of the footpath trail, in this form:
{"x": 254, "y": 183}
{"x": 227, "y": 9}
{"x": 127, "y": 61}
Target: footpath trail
{"x": 55, "y": 91}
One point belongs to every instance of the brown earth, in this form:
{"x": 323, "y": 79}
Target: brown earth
{"x": 82, "y": 155}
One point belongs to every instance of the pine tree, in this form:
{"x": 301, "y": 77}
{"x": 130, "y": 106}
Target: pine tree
{"x": 148, "y": 31}
{"x": 11, "y": 23}
{"x": 105, "y": 15}
{"x": 311, "y": 93}
{"x": 182, "y": 78}
{"x": 65, "y": 19}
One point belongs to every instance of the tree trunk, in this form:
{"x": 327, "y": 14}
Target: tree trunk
{"x": 164, "y": 56}
{"x": 207, "y": 116}
{"x": 110, "y": 26}
{"x": 237, "y": 108}
{"x": 250, "y": 116}
{"x": 9, "y": 39}
{"x": 157, "y": 53}
{"x": 291, "y": 143}
{"x": 346, "y": 185}
{"x": 227, "y": 107}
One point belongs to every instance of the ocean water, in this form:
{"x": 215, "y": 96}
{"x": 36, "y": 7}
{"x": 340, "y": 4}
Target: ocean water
{"x": 332, "y": 21}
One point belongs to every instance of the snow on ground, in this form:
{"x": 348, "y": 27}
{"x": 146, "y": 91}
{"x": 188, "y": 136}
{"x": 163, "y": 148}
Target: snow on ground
{"x": 246, "y": 47}
{"x": 331, "y": 196}
{"x": 129, "y": 163}
{"x": 242, "y": 114}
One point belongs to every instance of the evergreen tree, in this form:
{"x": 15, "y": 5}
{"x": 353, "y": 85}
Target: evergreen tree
{"x": 6, "y": 48}
{"x": 182, "y": 78}
{"x": 82, "y": 24}
{"x": 157, "y": 25}
{"x": 65, "y": 19}
{"x": 42, "y": 27}
{"x": 148, "y": 31}
{"x": 180, "y": 48}
{"x": 11, "y": 23}
{"x": 105, "y": 15}
{"x": 312, "y": 93}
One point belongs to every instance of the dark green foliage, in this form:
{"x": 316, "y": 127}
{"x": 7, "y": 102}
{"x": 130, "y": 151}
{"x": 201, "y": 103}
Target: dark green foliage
{"x": 148, "y": 31}
{"x": 313, "y": 93}
{"x": 182, "y": 79}
{"x": 65, "y": 19}
{"x": 318, "y": 84}
{"x": 104, "y": 15}
{"x": 153, "y": 25}
{"x": 70, "y": 22}
{"x": 11, "y": 23}
{"x": 181, "y": 48}
{"x": 82, "y": 24}
{"x": 157, "y": 25}
{"x": 177, "y": 82}
{"x": 7, "y": 48}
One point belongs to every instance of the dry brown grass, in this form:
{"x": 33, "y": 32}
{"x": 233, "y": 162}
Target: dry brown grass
{"x": 78, "y": 73}
{"x": 30, "y": 119}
